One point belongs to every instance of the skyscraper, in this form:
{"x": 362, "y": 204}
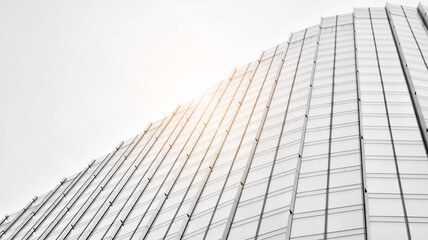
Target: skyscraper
{"x": 323, "y": 137}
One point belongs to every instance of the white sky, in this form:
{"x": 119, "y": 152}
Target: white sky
{"x": 76, "y": 77}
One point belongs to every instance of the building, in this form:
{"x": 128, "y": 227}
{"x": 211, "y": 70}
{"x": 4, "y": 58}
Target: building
{"x": 322, "y": 137}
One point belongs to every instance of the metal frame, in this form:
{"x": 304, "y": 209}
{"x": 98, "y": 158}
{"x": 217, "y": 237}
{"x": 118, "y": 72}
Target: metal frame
{"x": 174, "y": 180}
{"x": 208, "y": 148}
{"x": 94, "y": 195}
{"x": 74, "y": 199}
{"x": 214, "y": 159}
{"x": 253, "y": 148}
{"x": 412, "y": 91}
{"x": 60, "y": 198}
{"x": 145, "y": 228}
{"x": 282, "y": 127}
{"x": 116, "y": 225}
{"x": 302, "y": 141}
{"x": 88, "y": 202}
{"x": 233, "y": 160}
{"x": 144, "y": 182}
{"x": 389, "y": 122}
{"x": 19, "y": 215}
{"x": 109, "y": 201}
{"x": 330, "y": 133}
{"x": 4, "y": 219}
{"x": 423, "y": 14}
{"x": 361, "y": 142}
{"x": 40, "y": 205}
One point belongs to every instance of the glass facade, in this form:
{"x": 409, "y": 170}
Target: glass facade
{"x": 323, "y": 137}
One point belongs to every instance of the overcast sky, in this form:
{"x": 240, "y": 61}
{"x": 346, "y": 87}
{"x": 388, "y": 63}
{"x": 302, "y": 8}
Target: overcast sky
{"x": 76, "y": 77}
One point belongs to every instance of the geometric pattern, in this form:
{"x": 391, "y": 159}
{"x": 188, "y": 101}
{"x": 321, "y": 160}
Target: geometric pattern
{"x": 322, "y": 137}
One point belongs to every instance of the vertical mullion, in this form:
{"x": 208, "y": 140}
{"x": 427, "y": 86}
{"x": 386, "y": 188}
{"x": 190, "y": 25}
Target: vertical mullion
{"x": 74, "y": 199}
{"x": 126, "y": 210}
{"x": 253, "y": 149}
{"x": 39, "y": 206}
{"x": 206, "y": 152}
{"x": 47, "y": 213}
{"x": 361, "y": 138}
{"x": 121, "y": 183}
{"x": 389, "y": 127}
{"x": 136, "y": 168}
{"x": 171, "y": 186}
{"x": 330, "y": 134}
{"x": 423, "y": 14}
{"x": 104, "y": 182}
{"x": 234, "y": 158}
{"x": 213, "y": 161}
{"x": 412, "y": 91}
{"x": 21, "y": 213}
{"x": 176, "y": 160}
{"x": 4, "y": 219}
{"x": 302, "y": 140}
{"x": 58, "y": 200}
{"x": 414, "y": 37}
{"x": 280, "y": 134}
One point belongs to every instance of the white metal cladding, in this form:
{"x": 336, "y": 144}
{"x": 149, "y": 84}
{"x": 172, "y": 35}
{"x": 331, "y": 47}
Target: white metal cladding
{"x": 322, "y": 137}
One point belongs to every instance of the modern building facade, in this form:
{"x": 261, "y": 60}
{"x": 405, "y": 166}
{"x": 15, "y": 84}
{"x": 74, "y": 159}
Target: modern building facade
{"x": 322, "y": 137}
